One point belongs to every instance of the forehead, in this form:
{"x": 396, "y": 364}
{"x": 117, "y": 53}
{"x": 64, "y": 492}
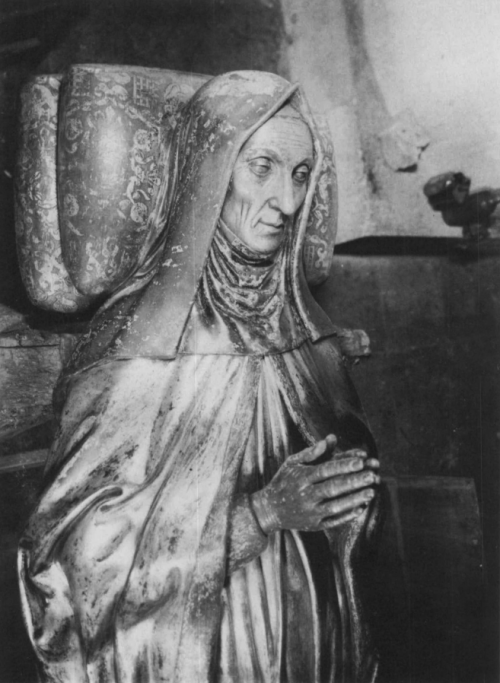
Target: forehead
{"x": 289, "y": 138}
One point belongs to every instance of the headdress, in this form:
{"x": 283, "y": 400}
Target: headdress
{"x": 146, "y": 317}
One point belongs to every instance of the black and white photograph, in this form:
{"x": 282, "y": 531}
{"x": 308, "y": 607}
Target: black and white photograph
{"x": 249, "y": 341}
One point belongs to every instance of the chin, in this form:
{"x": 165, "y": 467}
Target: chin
{"x": 266, "y": 245}
{"x": 267, "y": 242}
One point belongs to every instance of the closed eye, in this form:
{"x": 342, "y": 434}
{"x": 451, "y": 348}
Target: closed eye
{"x": 260, "y": 166}
{"x": 301, "y": 174}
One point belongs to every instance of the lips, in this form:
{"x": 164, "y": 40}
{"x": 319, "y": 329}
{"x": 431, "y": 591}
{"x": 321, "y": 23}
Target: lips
{"x": 277, "y": 226}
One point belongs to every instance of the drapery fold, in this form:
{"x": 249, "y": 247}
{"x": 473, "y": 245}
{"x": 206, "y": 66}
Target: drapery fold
{"x": 125, "y": 559}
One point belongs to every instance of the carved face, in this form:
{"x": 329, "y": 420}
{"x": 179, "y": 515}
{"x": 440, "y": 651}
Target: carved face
{"x": 269, "y": 182}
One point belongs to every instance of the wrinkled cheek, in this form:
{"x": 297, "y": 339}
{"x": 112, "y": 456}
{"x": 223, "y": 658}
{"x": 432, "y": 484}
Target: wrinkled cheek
{"x": 300, "y": 199}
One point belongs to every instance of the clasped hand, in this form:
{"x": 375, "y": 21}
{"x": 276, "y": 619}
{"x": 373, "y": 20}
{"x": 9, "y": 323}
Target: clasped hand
{"x": 311, "y": 497}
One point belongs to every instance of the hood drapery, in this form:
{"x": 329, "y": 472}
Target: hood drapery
{"x": 147, "y": 315}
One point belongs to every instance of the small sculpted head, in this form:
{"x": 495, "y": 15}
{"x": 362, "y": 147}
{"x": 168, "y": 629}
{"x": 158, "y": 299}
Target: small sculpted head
{"x": 269, "y": 182}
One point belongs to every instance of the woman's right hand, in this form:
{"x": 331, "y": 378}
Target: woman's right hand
{"x": 312, "y": 497}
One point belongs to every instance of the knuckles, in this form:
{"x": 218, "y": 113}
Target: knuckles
{"x": 314, "y": 497}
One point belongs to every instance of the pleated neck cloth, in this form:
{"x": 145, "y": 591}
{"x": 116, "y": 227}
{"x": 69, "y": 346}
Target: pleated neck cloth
{"x": 243, "y": 304}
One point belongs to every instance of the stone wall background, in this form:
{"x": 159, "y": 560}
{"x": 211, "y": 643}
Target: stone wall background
{"x": 412, "y": 91}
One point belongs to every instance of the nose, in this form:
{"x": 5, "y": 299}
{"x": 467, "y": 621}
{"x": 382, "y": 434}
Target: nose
{"x": 285, "y": 200}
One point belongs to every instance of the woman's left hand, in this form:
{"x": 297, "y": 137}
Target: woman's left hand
{"x": 311, "y": 497}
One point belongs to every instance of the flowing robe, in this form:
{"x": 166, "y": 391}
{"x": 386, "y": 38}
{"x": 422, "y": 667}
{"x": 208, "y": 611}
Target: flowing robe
{"x": 124, "y": 563}
{"x": 133, "y": 565}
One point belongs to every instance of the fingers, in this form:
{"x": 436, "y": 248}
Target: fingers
{"x": 351, "y": 453}
{"x": 308, "y": 454}
{"x": 345, "y": 484}
{"x": 347, "y": 504}
{"x": 337, "y": 466}
{"x": 372, "y": 463}
{"x": 332, "y": 522}
{"x": 313, "y": 452}
{"x": 331, "y": 441}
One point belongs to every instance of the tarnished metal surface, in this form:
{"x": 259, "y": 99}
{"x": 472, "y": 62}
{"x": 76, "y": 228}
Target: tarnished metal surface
{"x": 214, "y": 127}
{"x": 83, "y": 215}
{"x": 128, "y": 546}
{"x": 108, "y": 140}
{"x": 125, "y": 562}
{"x": 44, "y": 273}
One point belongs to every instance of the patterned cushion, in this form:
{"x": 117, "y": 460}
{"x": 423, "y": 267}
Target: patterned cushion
{"x": 104, "y": 121}
{"x": 37, "y": 227}
{"x": 108, "y": 144}
{"x": 86, "y": 176}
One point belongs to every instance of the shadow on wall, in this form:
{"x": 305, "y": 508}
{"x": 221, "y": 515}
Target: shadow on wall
{"x": 431, "y": 388}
